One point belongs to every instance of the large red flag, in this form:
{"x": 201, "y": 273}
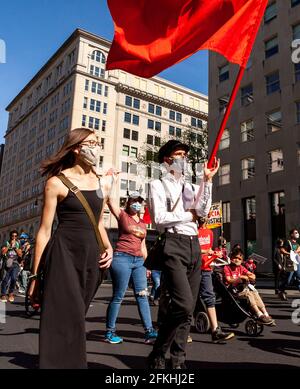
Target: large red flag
{"x": 151, "y": 35}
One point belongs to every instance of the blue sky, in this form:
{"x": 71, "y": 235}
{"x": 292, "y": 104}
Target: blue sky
{"x": 34, "y": 29}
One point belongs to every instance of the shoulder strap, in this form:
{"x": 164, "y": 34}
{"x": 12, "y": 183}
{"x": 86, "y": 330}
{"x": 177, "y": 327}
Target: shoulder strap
{"x": 168, "y": 198}
{"x": 73, "y": 188}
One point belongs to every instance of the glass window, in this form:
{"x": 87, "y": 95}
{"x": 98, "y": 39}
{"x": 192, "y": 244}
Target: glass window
{"x": 87, "y": 82}
{"x": 135, "y": 135}
{"x": 125, "y": 167}
{"x": 126, "y": 133}
{"x": 133, "y": 152}
{"x": 151, "y": 108}
{"x": 178, "y": 132}
{"x": 225, "y": 140}
{"x": 278, "y": 203}
{"x": 128, "y": 101}
{"x": 297, "y": 72}
{"x": 247, "y": 95}
{"x": 104, "y": 108}
{"x": 271, "y": 47}
{"x": 150, "y": 139}
{"x": 226, "y": 212}
{"x": 85, "y": 102}
{"x": 158, "y": 126}
{"x": 296, "y": 31}
{"x": 224, "y": 175}
{"x": 106, "y": 91}
{"x": 248, "y": 168}
{"x": 224, "y": 73}
{"x": 98, "y": 56}
{"x": 135, "y": 120}
{"x": 171, "y": 130}
{"x": 250, "y": 208}
{"x": 127, "y": 117}
{"x": 272, "y": 83}
{"x": 295, "y": 2}
{"x": 151, "y": 124}
{"x": 274, "y": 121}
{"x": 158, "y": 110}
{"x": 172, "y": 115}
{"x": 223, "y": 101}
{"x": 178, "y": 117}
{"x": 136, "y": 103}
{"x": 124, "y": 184}
{"x": 247, "y": 131}
{"x": 275, "y": 161}
{"x": 271, "y": 12}
{"x": 157, "y": 141}
{"x": 125, "y": 150}
{"x": 83, "y": 120}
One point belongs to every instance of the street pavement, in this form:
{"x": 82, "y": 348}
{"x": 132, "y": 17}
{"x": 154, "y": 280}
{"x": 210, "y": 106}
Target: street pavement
{"x": 277, "y": 347}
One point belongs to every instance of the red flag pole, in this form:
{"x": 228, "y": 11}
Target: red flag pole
{"x": 226, "y": 116}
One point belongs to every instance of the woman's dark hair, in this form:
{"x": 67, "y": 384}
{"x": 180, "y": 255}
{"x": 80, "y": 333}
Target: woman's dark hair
{"x": 65, "y": 157}
{"x": 292, "y": 231}
{"x": 13, "y": 232}
{"x": 236, "y": 251}
{"x": 279, "y": 242}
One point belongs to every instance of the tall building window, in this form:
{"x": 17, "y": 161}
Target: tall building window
{"x": 158, "y": 110}
{"x": 103, "y": 125}
{"x": 224, "y": 73}
{"x": 98, "y": 56}
{"x": 128, "y": 101}
{"x": 96, "y": 88}
{"x": 83, "y": 123}
{"x": 247, "y": 131}
{"x": 96, "y": 71}
{"x": 133, "y": 152}
{"x": 87, "y": 83}
{"x": 223, "y": 101}
{"x": 271, "y": 47}
{"x": 172, "y": 130}
{"x": 247, "y": 95}
{"x": 150, "y": 139}
{"x": 106, "y": 91}
{"x": 85, "y": 102}
{"x": 126, "y": 133}
{"x": 295, "y": 2}
{"x": 274, "y": 121}
{"x": 125, "y": 150}
{"x": 134, "y": 135}
{"x": 196, "y": 122}
{"x": 271, "y": 12}
{"x": 172, "y": 115}
{"x": 224, "y": 174}
{"x": 150, "y": 124}
{"x": 248, "y": 168}
{"x": 226, "y": 212}
{"x": 275, "y": 161}
{"x": 104, "y": 108}
{"x": 95, "y": 105}
{"x": 273, "y": 83}
{"x": 249, "y": 208}
{"x": 297, "y": 72}
{"x": 151, "y": 108}
{"x": 225, "y": 140}
{"x": 298, "y": 112}
{"x": 277, "y": 202}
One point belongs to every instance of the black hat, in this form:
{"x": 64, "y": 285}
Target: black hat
{"x": 167, "y": 149}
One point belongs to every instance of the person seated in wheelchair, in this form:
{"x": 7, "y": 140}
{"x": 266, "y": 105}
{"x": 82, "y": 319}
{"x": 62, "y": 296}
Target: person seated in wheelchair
{"x": 240, "y": 281}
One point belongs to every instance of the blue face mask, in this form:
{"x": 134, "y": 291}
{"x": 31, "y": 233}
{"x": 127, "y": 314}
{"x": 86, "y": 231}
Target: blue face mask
{"x": 136, "y": 207}
{"x": 22, "y": 241}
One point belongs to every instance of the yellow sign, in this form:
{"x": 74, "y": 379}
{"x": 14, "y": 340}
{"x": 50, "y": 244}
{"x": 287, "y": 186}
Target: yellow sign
{"x": 214, "y": 219}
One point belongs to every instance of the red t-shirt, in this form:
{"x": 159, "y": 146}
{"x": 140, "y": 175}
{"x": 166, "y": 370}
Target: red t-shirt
{"x": 206, "y": 239}
{"x": 131, "y": 234}
{"x": 235, "y": 272}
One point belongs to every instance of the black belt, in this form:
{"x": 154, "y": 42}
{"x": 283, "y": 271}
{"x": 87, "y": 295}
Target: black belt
{"x": 175, "y": 235}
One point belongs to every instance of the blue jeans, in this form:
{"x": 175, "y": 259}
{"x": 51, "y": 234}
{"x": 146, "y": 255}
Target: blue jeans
{"x": 10, "y": 278}
{"x": 155, "y": 275}
{"x": 295, "y": 274}
{"x": 125, "y": 266}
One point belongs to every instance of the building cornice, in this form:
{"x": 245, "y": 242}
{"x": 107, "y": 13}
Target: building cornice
{"x": 161, "y": 101}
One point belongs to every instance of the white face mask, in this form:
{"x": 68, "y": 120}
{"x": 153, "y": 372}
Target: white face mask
{"x": 296, "y": 236}
{"x": 90, "y": 155}
{"x": 179, "y": 165}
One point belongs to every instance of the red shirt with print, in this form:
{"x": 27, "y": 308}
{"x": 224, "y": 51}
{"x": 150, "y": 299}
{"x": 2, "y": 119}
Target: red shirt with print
{"x": 235, "y": 272}
{"x": 206, "y": 239}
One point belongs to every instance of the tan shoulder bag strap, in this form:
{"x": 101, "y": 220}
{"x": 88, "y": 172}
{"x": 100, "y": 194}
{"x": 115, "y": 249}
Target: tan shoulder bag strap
{"x": 73, "y": 188}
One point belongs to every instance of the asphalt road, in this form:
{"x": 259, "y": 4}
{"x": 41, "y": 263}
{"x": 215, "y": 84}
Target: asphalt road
{"x": 277, "y": 347}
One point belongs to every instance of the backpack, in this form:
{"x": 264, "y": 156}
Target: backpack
{"x": 288, "y": 264}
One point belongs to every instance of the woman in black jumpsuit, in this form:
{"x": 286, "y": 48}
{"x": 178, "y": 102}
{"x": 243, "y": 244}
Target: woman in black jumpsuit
{"x": 71, "y": 256}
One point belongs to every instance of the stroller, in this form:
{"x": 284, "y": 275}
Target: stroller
{"x": 229, "y": 310}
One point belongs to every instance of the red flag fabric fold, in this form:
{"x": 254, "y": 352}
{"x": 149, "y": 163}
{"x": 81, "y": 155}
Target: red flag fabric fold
{"x": 151, "y": 35}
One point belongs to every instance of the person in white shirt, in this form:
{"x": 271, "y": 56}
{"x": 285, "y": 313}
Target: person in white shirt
{"x": 175, "y": 207}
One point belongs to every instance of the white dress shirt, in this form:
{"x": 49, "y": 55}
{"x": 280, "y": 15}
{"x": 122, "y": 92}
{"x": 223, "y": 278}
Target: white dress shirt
{"x": 181, "y": 220}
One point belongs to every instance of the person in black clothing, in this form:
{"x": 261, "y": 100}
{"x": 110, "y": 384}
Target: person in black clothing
{"x": 278, "y": 267}
{"x": 71, "y": 258}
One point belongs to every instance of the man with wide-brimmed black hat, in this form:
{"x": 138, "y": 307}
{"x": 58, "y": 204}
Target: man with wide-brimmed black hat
{"x": 175, "y": 206}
